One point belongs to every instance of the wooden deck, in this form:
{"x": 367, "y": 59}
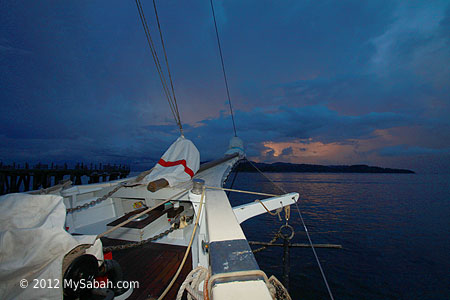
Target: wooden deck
{"x": 153, "y": 265}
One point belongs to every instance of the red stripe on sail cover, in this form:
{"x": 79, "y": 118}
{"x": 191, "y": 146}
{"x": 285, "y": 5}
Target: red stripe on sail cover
{"x": 166, "y": 164}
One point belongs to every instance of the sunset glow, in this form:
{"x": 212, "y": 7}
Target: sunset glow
{"x": 345, "y": 83}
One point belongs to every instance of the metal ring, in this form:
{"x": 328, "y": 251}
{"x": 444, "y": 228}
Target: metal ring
{"x": 285, "y": 236}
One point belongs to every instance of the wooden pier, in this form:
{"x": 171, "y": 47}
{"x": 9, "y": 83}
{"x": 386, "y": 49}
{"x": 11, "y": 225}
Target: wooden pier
{"x": 21, "y": 178}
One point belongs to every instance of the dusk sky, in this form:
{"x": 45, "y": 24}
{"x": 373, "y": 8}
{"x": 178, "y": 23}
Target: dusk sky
{"x": 319, "y": 82}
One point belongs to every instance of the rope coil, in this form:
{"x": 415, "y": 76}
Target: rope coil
{"x": 192, "y": 283}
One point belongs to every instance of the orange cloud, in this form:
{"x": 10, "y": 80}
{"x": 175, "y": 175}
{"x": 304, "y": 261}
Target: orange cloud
{"x": 352, "y": 151}
{"x": 305, "y": 151}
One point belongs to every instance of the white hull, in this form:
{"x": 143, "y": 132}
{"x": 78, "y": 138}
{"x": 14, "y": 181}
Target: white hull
{"x": 219, "y": 244}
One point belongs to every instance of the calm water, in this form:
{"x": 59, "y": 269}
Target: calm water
{"x": 394, "y": 229}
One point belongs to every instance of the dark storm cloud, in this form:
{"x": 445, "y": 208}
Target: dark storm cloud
{"x": 403, "y": 150}
{"x": 257, "y": 126}
{"x": 78, "y": 82}
{"x": 287, "y": 151}
{"x": 289, "y": 123}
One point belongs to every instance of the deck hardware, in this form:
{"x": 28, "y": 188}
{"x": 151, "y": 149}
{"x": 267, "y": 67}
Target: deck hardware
{"x": 286, "y": 255}
{"x": 84, "y": 267}
{"x": 295, "y": 245}
{"x": 197, "y": 187}
{"x": 284, "y": 232}
{"x": 143, "y": 217}
{"x": 205, "y": 247}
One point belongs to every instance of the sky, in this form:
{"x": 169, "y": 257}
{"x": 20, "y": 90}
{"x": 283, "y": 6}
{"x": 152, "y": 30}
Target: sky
{"x": 317, "y": 82}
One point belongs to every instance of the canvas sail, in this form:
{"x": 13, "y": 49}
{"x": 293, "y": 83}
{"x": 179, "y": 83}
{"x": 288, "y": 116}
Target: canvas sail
{"x": 178, "y": 164}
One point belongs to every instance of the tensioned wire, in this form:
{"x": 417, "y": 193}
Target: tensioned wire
{"x": 306, "y": 231}
{"x": 167, "y": 62}
{"x": 223, "y": 67}
{"x": 170, "y": 94}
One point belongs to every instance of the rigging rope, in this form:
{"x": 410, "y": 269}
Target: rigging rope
{"x": 167, "y": 65}
{"x": 170, "y": 96}
{"x": 180, "y": 267}
{"x": 257, "y": 169}
{"x": 223, "y": 67}
{"x": 306, "y": 230}
{"x": 315, "y": 254}
{"x": 234, "y": 178}
{"x": 192, "y": 283}
{"x": 241, "y": 191}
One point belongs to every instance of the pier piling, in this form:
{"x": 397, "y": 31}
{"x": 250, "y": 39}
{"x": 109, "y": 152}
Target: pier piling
{"x": 16, "y": 178}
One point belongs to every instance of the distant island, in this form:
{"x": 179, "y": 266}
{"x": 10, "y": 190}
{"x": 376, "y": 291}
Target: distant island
{"x": 306, "y": 168}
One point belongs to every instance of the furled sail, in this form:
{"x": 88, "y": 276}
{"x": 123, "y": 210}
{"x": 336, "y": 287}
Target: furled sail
{"x": 33, "y": 243}
{"x": 178, "y": 164}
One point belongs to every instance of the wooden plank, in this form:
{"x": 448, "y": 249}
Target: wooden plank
{"x": 152, "y": 216}
{"x": 153, "y": 265}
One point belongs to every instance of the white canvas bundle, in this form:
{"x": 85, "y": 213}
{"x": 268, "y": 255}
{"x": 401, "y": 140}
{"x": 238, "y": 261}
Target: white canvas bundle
{"x": 33, "y": 243}
{"x": 178, "y": 164}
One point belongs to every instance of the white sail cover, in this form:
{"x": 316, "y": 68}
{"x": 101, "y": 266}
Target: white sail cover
{"x": 33, "y": 243}
{"x": 178, "y": 164}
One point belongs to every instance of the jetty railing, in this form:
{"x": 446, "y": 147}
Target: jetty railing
{"x": 23, "y": 178}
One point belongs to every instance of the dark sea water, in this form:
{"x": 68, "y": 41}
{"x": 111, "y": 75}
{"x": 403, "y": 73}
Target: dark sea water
{"x": 394, "y": 229}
